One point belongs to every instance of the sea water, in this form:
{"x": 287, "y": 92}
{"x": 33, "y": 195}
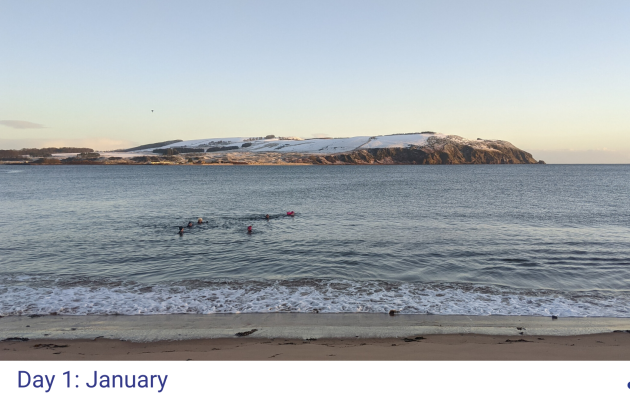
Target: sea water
{"x": 468, "y": 239}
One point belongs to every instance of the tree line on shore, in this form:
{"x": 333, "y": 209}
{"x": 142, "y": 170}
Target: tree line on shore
{"x": 17, "y": 155}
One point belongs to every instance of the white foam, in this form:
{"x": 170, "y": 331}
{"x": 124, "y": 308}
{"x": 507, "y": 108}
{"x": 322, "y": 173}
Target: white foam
{"x": 19, "y": 297}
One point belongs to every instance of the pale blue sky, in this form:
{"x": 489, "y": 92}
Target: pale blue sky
{"x": 552, "y": 77}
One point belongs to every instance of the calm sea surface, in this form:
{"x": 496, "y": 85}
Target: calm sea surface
{"x": 476, "y": 240}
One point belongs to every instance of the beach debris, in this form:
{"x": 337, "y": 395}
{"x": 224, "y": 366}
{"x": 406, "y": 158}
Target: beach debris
{"x": 520, "y": 328}
{"x": 310, "y": 339}
{"x": 518, "y": 340}
{"x": 16, "y": 339}
{"x": 49, "y": 346}
{"x": 554, "y": 317}
{"x": 393, "y": 312}
{"x": 246, "y": 333}
{"x": 416, "y": 339}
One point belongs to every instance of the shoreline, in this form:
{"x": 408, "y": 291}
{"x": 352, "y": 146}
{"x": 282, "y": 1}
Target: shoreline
{"x": 311, "y": 337}
{"x": 462, "y": 347}
{"x": 264, "y": 164}
{"x": 154, "y": 328}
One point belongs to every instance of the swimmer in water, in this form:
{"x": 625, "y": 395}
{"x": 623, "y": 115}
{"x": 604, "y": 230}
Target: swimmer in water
{"x": 249, "y": 229}
{"x": 190, "y": 224}
{"x": 267, "y": 217}
{"x": 181, "y": 230}
{"x": 290, "y": 213}
{"x": 200, "y": 221}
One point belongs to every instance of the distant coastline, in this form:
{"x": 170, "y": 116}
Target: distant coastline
{"x": 419, "y": 148}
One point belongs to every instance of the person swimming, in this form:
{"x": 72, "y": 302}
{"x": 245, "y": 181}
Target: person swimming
{"x": 200, "y": 221}
{"x": 290, "y": 213}
{"x": 267, "y": 217}
{"x": 249, "y": 229}
{"x": 190, "y": 224}
{"x": 181, "y": 230}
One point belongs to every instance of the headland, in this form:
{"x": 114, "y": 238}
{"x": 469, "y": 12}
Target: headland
{"x": 418, "y": 148}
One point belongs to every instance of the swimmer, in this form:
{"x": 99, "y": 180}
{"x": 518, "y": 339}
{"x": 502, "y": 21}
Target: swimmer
{"x": 200, "y": 221}
{"x": 190, "y": 224}
{"x": 249, "y": 229}
{"x": 267, "y": 217}
{"x": 181, "y": 230}
{"x": 290, "y": 213}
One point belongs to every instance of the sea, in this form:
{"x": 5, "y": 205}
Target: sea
{"x": 535, "y": 240}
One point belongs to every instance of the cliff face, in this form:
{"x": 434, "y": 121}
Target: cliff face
{"x": 445, "y": 150}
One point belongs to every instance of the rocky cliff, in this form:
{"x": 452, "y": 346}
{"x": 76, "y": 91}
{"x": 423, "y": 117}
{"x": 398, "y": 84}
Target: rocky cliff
{"x": 438, "y": 150}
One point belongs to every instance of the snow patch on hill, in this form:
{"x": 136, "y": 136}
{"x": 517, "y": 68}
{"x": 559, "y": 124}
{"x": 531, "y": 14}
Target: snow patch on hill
{"x": 331, "y": 146}
{"x": 308, "y": 146}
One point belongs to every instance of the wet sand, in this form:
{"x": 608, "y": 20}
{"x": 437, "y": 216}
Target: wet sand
{"x": 605, "y": 346}
{"x": 294, "y": 336}
{"x": 156, "y": 328}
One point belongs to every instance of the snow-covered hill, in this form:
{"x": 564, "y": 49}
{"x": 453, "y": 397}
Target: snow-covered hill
{"x": 309, "y": 146}
{"x": 408, "y": 148}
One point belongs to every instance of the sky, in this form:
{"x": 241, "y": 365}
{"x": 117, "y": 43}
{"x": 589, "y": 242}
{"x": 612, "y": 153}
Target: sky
{"x": 551, "y": 77}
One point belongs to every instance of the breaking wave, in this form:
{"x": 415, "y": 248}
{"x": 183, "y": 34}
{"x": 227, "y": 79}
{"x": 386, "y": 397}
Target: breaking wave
{"x": 25, "y": 295}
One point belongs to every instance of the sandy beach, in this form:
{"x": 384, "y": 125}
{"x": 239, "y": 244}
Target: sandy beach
{"x": 288, "y": 336}
{"x": 608, "y": 346}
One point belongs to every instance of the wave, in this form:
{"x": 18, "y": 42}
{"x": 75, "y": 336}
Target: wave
{"x": 28, "y": 295}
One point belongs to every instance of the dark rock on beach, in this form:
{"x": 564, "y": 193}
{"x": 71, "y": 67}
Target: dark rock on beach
{"x": 246, "y": 333}
{"x": 416, "y": 339}
{"x": 16, "y": 339}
